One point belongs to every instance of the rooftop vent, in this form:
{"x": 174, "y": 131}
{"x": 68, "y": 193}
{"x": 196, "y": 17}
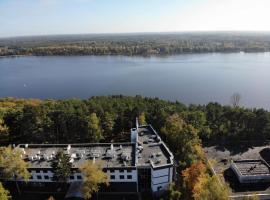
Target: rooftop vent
{"x": 125, "y": 157}
{"x": 152, "y": 155}
{"x": 158, "y": 154}
{"x": 157, "y": 161}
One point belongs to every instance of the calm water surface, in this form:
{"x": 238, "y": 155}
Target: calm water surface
{"x": 194, "y": 78}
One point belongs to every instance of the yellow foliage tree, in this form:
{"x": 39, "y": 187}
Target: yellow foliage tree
{"x": 201, "y": 186}
{"x": 12, "y": 165}
{"x": 142, "y": 120}
{"x": 93, "y": 176}
{"x": 4, "y": 194}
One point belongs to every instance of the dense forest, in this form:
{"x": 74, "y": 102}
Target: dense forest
{"x": 136, "y": 44}
{"x": 109, "y": 118}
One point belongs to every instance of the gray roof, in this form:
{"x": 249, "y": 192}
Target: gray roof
{"x": 151, "y": 151}
{"x": 110, "y": 155}
{"x": 154, "y": 151}
{"x": 252, "y": 167}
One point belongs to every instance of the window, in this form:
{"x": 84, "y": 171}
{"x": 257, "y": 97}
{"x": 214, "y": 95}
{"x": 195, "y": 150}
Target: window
{"x": 112, "y": 177}
{"x": 71, "y": 177}
{"x": 37, "y": 171}
{"x": 46, "y": 177}
{"x": 104, "y": 170}
{"x": 39, "y": 177}
{"x": 79, "y": 177}
{"x": 129, "y": 176}
{"x": 122, "y": 177}
{"x": 112, "y": 170}
{"x": 159, "y": 188}
{"x": 121, "y": 171}
{"x": 129, "y": 170}
{"x": 45, "y": 171}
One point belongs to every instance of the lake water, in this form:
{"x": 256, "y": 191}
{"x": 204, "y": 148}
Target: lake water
{"x": 192, "y": 78}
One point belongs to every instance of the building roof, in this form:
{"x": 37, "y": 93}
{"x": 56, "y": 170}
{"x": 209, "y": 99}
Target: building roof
{"x": 110, "y": 155}
{"x": 252, "y": 167}
{"x": 152, "y": 149}
{"x": 147, "y": 150}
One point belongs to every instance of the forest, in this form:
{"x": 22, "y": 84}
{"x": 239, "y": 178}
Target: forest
{"x": 136, "y": 44}
{"x": 185, "y": 129}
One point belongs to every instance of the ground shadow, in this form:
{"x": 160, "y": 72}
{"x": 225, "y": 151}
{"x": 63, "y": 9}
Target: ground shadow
{"x": 265, "y": 154}
{"x": 235, "y": 147}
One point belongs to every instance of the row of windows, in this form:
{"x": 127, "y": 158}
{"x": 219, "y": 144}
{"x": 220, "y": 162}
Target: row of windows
{"x": 110, "y": 170}
{"x": 79, "y": 177}
{"x": 112, "y": 177}
{"x": 39, "y": 177}
{"x": 121, "y": 170}
{"x": 39, "y": 171}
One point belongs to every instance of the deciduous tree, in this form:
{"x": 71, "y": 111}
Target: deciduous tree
{"x": 94, "y": 128}
{"x": 12, "y": 165}
{"x": 93, "y": 177}
{"x": 4, "y": 194}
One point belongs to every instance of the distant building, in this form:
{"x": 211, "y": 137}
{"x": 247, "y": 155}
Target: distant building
{"x": 145, "y": 164}
{"x": 251, "y": 171}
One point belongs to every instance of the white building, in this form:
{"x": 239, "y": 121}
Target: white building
{"x": 144, "y": 164}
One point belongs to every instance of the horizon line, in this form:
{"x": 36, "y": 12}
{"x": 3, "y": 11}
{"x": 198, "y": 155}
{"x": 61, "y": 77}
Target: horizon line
{"x": 138, "y": 33}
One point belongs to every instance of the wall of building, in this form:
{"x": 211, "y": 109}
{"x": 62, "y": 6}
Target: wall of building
{"x": 161, "y": 178}
{"x": 122, "y": 175}
{"x": 249, "y": 178}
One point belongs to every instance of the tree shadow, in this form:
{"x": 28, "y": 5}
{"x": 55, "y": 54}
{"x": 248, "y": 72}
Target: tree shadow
{"x": 265, "y": 154}
{"x": 236, "y": 147}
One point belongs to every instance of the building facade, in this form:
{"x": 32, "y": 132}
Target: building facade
{"x": 145, "y": 164}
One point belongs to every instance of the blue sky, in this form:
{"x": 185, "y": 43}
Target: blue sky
{"x": 41, "y": 17}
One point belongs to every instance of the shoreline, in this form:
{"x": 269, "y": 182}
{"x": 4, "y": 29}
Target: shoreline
{"x": 143, "y": 56}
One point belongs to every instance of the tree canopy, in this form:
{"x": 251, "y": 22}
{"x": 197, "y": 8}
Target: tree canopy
{"x": 4, "y": 194}
{"x": 62, "y": 166}
{"x": 12, "y": 165}
{"x": 93, "y": 177}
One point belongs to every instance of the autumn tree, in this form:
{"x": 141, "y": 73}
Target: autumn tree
{"x": 199, "y": 185}
{"x": 183, "y": 140}
{"x": 191, "y": 177}
{"x": 4, "y": 194}
{"x": 3, "y": 131}
{"x": 93, "y": 177}
{"x": 142, "y": 120}
{"x": 12, "y": 165}
{"x": 107, "y": 125}
{"x": 173, "y": 192}
{"x": 94, "y": 128}
{"x": 62, "y": 166}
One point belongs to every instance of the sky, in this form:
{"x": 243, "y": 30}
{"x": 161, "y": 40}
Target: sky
{"x": 43, "y": 17}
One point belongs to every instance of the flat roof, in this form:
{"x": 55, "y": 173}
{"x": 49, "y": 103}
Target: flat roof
{"x": 110, "y": 155}
{"x": 150, "y": 150}
{"x": 252, "y": 167}
{"x": 154, "y": 151}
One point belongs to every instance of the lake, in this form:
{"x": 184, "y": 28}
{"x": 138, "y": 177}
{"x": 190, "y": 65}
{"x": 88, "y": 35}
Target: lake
{"x": 190, "y": 78}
